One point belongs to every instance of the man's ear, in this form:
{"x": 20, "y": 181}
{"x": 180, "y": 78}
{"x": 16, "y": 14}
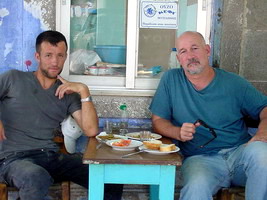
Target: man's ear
{"x": 207, "y": 47}
{"x": 37, "y": 56}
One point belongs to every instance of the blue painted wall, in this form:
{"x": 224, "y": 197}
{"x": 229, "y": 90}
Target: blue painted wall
{"x": 18, "y": 30}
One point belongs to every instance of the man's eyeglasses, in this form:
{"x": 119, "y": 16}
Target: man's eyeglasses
{"x": 211, "y": 130}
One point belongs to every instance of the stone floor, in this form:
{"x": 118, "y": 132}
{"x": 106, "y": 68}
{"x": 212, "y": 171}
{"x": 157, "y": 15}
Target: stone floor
{"x": 144, "y": 196}
{"x": 140, "y": 192}
{"x": 131, "y": 192}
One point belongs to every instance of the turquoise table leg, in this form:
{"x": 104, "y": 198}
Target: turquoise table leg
{"x": 160, "y": 177}
{"x": 96, "y": 182}
{"x": 165, "y": 189}
{"x": 154, "y": 192}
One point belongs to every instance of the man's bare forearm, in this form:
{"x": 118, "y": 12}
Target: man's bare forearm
{"x": 165, "y": 127}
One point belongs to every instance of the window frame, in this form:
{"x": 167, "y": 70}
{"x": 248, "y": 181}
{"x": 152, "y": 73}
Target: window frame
{"x": 131, "y": 84}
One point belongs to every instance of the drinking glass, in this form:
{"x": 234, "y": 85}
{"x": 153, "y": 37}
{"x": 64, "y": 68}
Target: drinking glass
{"x": 108, "y": 127}
{"x": 145, "y": 135}
{"x": 115, "y": 128}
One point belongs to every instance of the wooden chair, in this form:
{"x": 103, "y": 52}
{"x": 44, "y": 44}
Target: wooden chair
{"x": 229, "y": 193}
{"x": 65, "y": 185}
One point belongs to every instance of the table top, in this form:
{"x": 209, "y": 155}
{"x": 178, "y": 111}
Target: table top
{"x": 107, "y": 155}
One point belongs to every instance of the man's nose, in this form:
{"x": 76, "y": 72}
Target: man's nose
{"x": 54, "y": 60}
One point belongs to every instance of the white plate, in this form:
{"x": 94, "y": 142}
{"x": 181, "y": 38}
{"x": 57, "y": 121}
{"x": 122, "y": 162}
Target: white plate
{"x": 157, "y": 152}
{"x": 136, "y": 136}
{"x": 115, "y": 135}
{"x": 131, "y": 147}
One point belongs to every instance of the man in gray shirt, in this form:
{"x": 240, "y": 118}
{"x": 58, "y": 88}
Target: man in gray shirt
{"x": 33, "y": 104}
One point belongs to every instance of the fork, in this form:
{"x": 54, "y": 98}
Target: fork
{"x": 102, "y": 141}
{"x": 130, "y": 154}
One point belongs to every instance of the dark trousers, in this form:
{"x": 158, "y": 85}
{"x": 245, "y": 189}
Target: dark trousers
{"x": 32, "y": 172}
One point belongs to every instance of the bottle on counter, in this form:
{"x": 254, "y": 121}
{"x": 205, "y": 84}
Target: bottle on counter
{"x": 124, "y": 118}
{"x": 173, "y": 62}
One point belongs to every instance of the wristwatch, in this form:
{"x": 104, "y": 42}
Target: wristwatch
{"x": 89, "y": 98}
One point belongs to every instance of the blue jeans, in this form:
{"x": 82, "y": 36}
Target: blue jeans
{"x": 32, "y": 172}
{"x": 245, "y": 165}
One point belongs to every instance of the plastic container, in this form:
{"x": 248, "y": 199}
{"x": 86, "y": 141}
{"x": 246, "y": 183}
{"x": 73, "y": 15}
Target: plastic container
{"x": 124, "y": 118}
{"x": 115, "y": 54}
{"x": 173, "y": 62}
{"x": 102, "y": 71}
{"x": 93, "y": 70}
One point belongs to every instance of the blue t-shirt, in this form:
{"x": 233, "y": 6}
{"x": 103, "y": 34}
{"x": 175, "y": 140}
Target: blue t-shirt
{"x": 221, "y": 105}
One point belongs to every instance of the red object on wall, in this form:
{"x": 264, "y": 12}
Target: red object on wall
{"x": 28, "y": 63}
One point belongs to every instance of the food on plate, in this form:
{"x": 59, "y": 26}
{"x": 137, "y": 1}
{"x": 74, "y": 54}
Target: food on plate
{"x": 152, "y": 144}
{"x": 121, "y": 143}
{"x": 158, "y": 145}
{"x": 107, "y": 137}
{"x": 167, "y": 147}
{"x": 137, "y": 135}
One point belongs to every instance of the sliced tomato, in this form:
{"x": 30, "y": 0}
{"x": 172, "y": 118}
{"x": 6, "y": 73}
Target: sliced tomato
{"x": 122, "y": 143}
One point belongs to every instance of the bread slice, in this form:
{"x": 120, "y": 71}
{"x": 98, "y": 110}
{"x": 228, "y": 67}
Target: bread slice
{"x": 152, "y": 144}
{"x": 167, "y": 147}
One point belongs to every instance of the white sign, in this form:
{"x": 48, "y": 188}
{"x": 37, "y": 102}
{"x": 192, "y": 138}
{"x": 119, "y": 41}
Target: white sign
{"x": 155, "y": 14}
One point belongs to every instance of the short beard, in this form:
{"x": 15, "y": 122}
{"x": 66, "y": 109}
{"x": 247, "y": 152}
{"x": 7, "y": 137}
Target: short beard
{"x": 197, "y": 71}
{"x": 47, "y": 75}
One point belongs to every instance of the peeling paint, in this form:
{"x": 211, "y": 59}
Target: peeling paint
{"x": 20, "y": 22}
{"x": 38, "y": 11}
{"x": 3, "y": 13}
{"x": 8, "y": 49}
{"x": 91, "y": 162}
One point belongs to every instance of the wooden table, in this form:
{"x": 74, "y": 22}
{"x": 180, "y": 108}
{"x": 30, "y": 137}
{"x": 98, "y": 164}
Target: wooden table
{"x": 107, "y": 166}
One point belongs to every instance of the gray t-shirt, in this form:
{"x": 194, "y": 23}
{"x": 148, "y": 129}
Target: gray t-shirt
{"x": 30, "y": 113}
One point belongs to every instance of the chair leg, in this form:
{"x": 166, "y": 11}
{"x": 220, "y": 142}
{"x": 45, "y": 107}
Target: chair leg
{"x": 65, "y": 186}
{"x": 224, "y": 194}
{"x": 3, "y": 191}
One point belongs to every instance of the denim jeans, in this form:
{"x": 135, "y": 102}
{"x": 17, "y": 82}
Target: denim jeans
{"x": 32, "y": 172}
{"x": 245, "y": 165}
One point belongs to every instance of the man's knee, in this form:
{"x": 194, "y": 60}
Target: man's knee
{"x": 256, "y": 153}
{"x": 39, "y": 177}
{"x": 256, "y": 149}
{"x": 28, "y": 175}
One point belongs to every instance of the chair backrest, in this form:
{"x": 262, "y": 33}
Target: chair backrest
{"x": 59, "y": 139}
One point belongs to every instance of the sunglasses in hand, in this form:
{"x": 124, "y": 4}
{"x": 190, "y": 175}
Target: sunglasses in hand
{"x": 211, "y": 130}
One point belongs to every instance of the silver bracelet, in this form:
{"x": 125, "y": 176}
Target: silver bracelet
{"x": 89, "y": 98}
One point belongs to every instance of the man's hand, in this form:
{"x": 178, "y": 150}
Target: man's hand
{"x": 70, "y": 87}
{"x": 187, "y": 131}
{"x": 2, "y": 132}
{"x": 86, "y": 117}
{"x": 165, "y": 127}
{"x": 258, "y": 137}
